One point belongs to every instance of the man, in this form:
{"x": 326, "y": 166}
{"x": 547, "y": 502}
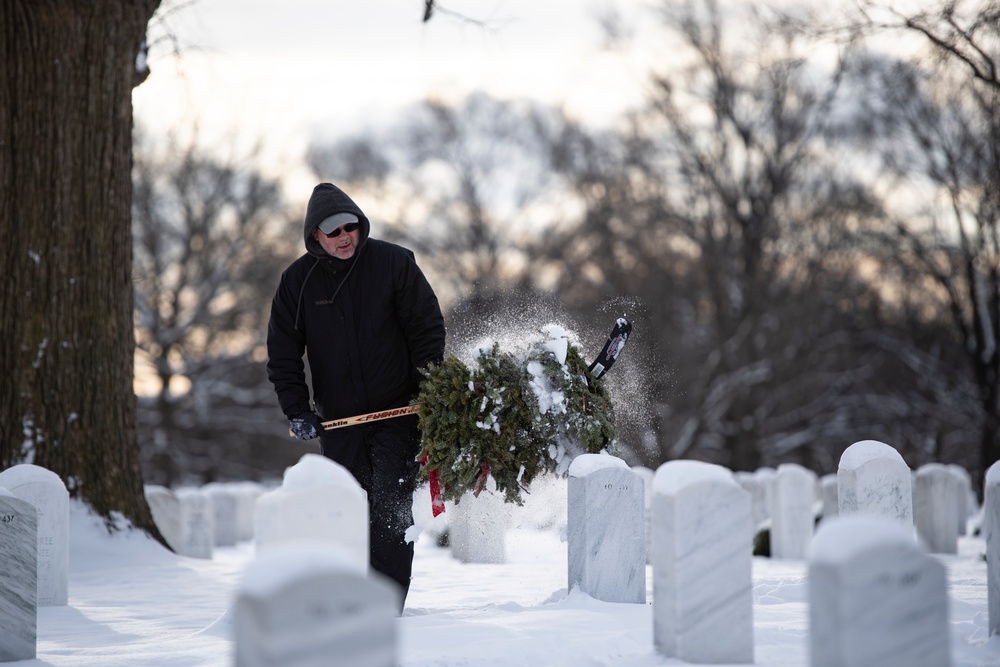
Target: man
{"x": 367, "y": 319}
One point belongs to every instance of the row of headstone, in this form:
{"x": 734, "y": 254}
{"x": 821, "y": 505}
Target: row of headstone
{"x": 316, "y": 497}
{"x": 304, "y": 601}
{"x": 873, "y": 590}
{"x": 872, "y": 479}
{"x": 786, "y": 502}
{"x": 308, "y": 599}
{"x": 876, "y": 595}
{"x": 701, "y": 532}
{"x": 309, "y": 595}
{"x": 943, "y": 501}
{"x": 195, "y": 520}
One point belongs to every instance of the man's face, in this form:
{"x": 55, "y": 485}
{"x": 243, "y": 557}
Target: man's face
{"x": 341, "y": 246}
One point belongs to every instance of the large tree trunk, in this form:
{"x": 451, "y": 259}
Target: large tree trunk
{"x": 67, "y": 68}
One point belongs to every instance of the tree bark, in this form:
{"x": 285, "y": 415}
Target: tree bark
{"x": 67, "y": 403}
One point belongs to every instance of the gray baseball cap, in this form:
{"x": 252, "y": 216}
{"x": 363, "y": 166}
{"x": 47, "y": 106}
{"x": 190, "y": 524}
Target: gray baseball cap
{"x": 336, "y": 220}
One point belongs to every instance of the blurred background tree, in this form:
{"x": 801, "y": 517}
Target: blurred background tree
{"x": 728, "y": 208}
{"x": 211, "y": 237}
{"x": 930, "y": 121}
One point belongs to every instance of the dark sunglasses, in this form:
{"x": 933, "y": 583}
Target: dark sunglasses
{"x": 349, "y": 227}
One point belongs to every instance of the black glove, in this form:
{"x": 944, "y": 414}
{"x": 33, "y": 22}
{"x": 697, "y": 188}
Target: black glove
{"x": 306, "y": 426}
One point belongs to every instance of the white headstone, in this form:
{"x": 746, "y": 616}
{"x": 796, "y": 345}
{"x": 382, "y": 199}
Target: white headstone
{"x": 936, "y": 499}
{"x": 875, "y": 598}
{"x": 477, "y": 527}
{"x": 753, "y": 485}
{"x": 197, "y": 523}
{"x": 828, "y": 490}
{"x": 309, "y": 604}
{"x": 224, "y": 504}
{"x": 765, "y": 476}
{"x": 874, "y": 479}
{"x": 966, "y": 500}
{"x": 702, "y": 564}
{"x": 18, "y": 578}
{"x": 246, "y": 500}
{"x": 647, "y": 475}
{"x": 987, "y": 517}
{"x": 318, "y": 499}
{"x": 166, "y": 511}
{"x": 606, "y": 529}
{"x": 991, "y": 517}
{"x": 46, "y": 491}
{"x": 792, "y": 516}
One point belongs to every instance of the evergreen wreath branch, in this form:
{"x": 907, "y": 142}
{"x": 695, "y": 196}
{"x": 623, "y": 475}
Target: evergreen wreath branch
{"x": 511, "y": 416}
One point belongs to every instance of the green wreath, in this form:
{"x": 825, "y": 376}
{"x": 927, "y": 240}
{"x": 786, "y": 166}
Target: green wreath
{"x": 511, "y": 417}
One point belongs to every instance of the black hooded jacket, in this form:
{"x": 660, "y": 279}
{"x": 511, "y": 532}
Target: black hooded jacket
{"x": 366, "y": 323}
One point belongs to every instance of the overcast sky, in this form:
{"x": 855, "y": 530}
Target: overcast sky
{"x": 292, "y": 69}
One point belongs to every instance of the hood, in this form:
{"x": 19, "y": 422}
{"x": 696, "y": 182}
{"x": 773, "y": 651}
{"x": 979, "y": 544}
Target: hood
{"x": 326, "y": 200}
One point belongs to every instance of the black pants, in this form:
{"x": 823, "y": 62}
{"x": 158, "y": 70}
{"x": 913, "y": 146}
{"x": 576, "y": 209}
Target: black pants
{"x": 382, "y": 457}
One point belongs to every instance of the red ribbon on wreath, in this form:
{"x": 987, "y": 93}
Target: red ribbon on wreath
{"x": 437, "y": 502}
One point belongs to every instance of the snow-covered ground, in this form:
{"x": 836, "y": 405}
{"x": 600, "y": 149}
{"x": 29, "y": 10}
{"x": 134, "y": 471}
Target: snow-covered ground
{"x": 133, "y": 603}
